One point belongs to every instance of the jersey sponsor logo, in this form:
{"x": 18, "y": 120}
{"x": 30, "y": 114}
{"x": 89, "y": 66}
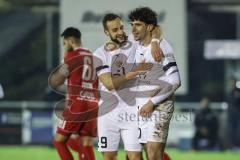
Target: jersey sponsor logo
{"x": 89, "y": 96}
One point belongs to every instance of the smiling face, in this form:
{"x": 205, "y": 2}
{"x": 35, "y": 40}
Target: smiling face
{"x": 115, "y": 30}
{"x": 143, "y": 20}
{"x": 139, "y": 30}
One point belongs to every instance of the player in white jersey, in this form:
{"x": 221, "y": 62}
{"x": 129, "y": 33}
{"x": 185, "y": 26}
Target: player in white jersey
{"x": 115, "y": 72}
{"x": 156, "y": 86}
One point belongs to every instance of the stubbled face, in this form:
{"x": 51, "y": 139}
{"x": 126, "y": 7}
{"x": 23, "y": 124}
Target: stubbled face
{"x": 115, "y": 31}
{"x": 139, "y": 30}
{"x": 67, "y": 43}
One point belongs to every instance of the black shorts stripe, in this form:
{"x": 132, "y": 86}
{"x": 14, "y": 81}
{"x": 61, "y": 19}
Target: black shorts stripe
{"x": 101, "y": 67}
{"x": 169, "y": 65}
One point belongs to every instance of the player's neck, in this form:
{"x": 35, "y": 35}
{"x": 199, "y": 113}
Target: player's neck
{"x": 76, "y": 46}
{"x": 147, "y": 40}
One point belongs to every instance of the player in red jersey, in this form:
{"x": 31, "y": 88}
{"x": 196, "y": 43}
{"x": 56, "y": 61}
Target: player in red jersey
{"x": 80, "y": 110}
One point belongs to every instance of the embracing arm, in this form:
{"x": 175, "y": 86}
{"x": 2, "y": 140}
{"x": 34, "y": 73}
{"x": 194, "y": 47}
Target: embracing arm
{"x": 156, "y": 51}
{"x": 114, "y": 82}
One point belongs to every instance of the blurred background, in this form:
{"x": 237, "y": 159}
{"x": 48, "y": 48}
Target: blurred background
{"x": 204, "y": 34}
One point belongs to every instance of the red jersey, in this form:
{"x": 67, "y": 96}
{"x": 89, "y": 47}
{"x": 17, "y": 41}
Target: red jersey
{"x": 82, "y": 83}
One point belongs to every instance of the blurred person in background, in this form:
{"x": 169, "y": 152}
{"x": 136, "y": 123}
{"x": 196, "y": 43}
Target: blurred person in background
{"x": 1, "y": 92}
{"x": 206, "y": 123}
{"x": 233, "y": 100}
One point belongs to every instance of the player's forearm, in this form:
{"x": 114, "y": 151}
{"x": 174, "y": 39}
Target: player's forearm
{"x": 118, "y": 81}
{"x": 58, "y": 77}
{"x": 165, "y": 92}
{"x": 115, "y": 82}
{"x": 56, "y": 80}
{"x": 112, "y": 82}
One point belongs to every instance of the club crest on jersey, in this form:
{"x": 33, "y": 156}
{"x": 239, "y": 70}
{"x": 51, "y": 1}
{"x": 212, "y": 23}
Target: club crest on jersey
{"x": 110, "y": 46}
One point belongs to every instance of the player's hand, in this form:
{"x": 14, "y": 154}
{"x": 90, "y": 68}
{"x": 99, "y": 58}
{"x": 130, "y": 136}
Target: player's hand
{"x": 156, "y": 51}
{"x": 156, "y": 32}
{"x": 147, "y": 109}
{"x": 143, "y": 67}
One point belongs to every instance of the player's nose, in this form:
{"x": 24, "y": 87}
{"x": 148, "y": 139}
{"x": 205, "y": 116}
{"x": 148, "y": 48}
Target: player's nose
{"x": 133, "y": 27}
{"x": 120, "y": 32}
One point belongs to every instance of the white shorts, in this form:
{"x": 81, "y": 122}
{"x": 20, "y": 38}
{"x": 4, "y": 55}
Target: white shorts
{"x": 117, "y": 124}
{"x": 155, "y": 128}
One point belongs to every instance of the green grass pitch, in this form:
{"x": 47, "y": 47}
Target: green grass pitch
{"x": 49, "y": 153}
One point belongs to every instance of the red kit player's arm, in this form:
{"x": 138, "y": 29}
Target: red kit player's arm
{"x": 58, "y": 77}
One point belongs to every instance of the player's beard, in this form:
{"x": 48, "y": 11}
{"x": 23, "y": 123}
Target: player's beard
{"x": 115, "y": 40}
{"x": 69, "y": 49}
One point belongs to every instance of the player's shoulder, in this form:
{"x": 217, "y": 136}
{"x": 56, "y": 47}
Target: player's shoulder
{"x": 166, "y": 46}
{"x": 76, "y": 53}
{"x": 82, "y": 49}
{"x": 69, "y": 55}
{"x": 99, "y": 51}
{"x": 164, "y": 42}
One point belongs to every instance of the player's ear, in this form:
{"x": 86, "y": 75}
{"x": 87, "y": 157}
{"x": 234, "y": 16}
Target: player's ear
{"x": 71, "y": 40}
{"x": 150, "y": 27}
{"x": 106, "y": 32}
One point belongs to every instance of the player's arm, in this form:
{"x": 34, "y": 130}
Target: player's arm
{"x": 171, "y": 81}
{"x": 164, "y": 91}
{"x": 156, "y": 51}
{"x": 61, "y": 73}
{"x": 111, "y": 82}
{"x": 167, "y": 85}
{"x": 58, "y": 77}
{"x": 114, "y": 82}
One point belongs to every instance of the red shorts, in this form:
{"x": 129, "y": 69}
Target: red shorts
{"x": 79, "y": 117}
{"x": 67, "y": 128}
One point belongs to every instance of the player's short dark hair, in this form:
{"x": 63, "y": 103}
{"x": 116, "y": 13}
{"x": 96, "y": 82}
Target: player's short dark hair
{"x": 144, "y": 14}
{"x": 71, "y": 32}
{"x": 109, "y": 17}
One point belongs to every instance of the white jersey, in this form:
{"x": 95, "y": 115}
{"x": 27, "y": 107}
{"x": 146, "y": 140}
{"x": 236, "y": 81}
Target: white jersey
{"x": 117, "y": 62}
{"x": 164, "y": 73}
{"x": 120, "y": 105}
{"x": 157, "y": 85}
